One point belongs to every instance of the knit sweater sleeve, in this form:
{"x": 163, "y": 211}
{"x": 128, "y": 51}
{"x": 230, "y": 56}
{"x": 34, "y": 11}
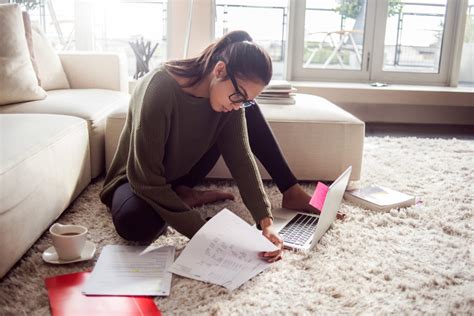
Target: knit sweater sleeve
{"x": 234, "y": 145}
{"x": 145, "y": 169}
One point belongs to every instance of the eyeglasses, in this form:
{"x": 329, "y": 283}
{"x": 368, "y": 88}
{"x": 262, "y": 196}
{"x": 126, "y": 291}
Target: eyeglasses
{"x": 237, "y": 96}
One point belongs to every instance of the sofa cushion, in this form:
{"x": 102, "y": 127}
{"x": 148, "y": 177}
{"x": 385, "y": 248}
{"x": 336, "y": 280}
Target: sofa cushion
{"x": 23, "y": 136}
{"x": 44, "y": 166}
{"x": 89, "y": 104}
{"x": 29, "y": 41}
{"x": 92, "y": 105}
{"x": 50, "y": 69}
{"x": 18, "y": 80}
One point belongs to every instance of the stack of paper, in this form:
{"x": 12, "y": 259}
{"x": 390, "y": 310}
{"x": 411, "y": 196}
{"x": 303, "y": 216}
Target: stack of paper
{"x": 131, "y": 270}
{"x": 277, "y": 92}
{"x": 225, "y": 251}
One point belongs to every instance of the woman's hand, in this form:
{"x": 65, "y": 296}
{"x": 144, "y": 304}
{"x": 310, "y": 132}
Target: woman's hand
{"x": 269, "y": 232}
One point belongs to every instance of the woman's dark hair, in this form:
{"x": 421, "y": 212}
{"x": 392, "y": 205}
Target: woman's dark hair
{"x": 246, "y": 59}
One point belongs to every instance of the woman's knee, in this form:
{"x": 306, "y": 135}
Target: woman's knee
{"x": 134, "y": 219}
{"x": 140, "y": 225}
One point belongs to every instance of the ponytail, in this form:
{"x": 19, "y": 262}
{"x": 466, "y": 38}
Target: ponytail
{"x": 247, "y": 60}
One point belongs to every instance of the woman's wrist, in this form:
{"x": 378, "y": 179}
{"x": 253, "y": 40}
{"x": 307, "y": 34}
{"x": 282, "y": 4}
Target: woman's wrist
{"x": 266, "y": 222}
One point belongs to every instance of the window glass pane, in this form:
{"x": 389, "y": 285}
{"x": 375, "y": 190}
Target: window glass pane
{"x": 264, "y": 20}
{"x": 56, "y": 19}
{"x": 334, "y": 34}
{"x": 466, "y": 72}
{"x": 119, "y": 22}
{"x": 104, "y": 25}
{"x": 413, "y": 36}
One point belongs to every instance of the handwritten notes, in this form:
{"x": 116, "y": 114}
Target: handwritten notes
{"x": 224, "y": 252}
{"x": 128, "y": 270}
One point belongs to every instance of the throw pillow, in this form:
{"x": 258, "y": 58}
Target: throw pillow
{"x": 50, "y": 69}
{"x": 29, "y": 41}
{"x": 18, "y": 82}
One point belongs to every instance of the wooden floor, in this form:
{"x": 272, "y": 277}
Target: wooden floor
{"x": 420, "y": 130}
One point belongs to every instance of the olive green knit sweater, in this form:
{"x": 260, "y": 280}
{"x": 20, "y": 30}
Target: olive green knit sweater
{"x": 166, "y": 133}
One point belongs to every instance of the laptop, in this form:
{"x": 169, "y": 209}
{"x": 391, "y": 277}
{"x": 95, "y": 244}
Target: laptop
{"x": 303, "y": 230}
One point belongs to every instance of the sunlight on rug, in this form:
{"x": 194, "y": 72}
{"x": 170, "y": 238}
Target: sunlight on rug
{"x": 418, "y": 259}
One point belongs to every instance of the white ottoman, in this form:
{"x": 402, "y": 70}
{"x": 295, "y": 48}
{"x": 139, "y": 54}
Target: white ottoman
{"x": 319, "y": 139}
{"x": 44, "y": 166}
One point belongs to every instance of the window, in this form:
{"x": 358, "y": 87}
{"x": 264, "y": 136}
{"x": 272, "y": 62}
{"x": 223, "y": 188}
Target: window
{"x": 333, "y": 35}
{"x": 104, "y": 25}
{"x": 264, "y": 20}
{"x": 394, "y": 41}
{"x": 119, "y": 22}
{"x": 413, "y": 37}
{"x": 466, "y": 72}
{"x": 332, "y": 41}
{"x": 56, "y": 19}
{"x": 419, "y": 50}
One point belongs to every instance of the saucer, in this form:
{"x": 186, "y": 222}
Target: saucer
{"x": 50, "y": 255}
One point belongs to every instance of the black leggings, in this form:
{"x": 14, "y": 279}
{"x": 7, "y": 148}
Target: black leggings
{"x": 135, "y": 220}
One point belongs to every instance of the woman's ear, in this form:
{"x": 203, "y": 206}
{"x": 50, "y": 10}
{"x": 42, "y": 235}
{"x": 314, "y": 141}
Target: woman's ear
{"x": 220, "y": 70}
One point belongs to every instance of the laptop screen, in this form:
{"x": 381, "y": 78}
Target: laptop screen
{"x": 331, "y": 204}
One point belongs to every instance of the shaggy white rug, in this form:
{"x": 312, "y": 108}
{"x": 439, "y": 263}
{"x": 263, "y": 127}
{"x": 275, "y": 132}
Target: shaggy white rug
{"x": 414, "y": 260}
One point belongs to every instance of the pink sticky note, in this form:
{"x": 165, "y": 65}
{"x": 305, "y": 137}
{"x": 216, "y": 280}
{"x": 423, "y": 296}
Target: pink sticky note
{"x": 319, "y": 195}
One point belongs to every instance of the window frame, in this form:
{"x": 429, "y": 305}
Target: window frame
{"x": 298, "y": 72}
{"x": 285, "y": 34}
{"x": 372, "y": 57}
{"x": 447, "y": 46}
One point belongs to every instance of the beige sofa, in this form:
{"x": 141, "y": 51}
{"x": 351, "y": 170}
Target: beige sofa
{"x": 52, "y": 137}
{"x": 45, "y": 164}
{"x": 51, "y": 148}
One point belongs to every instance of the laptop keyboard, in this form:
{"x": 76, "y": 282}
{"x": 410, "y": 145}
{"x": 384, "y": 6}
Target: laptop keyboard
{"x": 299, "y": 229}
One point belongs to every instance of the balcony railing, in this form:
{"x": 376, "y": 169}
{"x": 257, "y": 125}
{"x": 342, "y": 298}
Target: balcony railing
{"x": 420, "y": 58}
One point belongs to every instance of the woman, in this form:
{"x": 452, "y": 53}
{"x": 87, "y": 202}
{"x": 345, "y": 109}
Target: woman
{"x": 182, "y": 117}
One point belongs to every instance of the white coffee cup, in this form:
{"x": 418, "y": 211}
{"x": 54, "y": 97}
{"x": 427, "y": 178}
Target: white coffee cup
{"x": 68, "y": 240}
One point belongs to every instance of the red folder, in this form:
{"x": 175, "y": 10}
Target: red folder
{"x": 65, "y": 298}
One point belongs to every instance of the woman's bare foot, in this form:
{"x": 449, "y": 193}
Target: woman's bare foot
{"x": 195, "y": 198}
{"x": 295, "y": 198}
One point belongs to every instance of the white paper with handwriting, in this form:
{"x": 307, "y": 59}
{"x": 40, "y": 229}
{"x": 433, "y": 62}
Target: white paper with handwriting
{"x": 224, "y": 252}
{"x": 128, "y": 270}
